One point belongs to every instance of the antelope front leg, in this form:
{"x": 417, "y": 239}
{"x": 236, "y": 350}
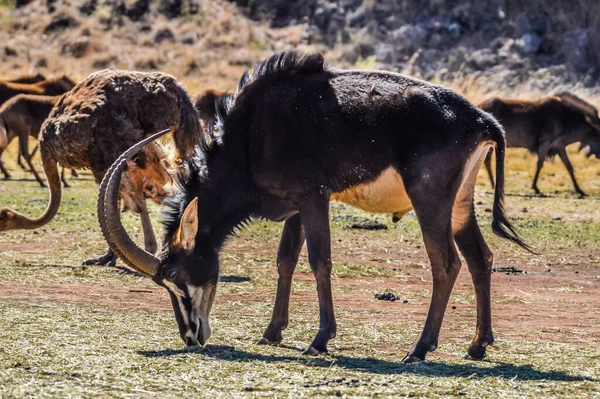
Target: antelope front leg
{"x": 290, "y": 246}
{"x": 562, "y": 153}
{"x": 315, "y": 219}
{"x": 3, "y": 169}
{"x": 542, "y": 154}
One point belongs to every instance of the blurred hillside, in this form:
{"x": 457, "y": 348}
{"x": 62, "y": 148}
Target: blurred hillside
{"x": 504, "y": 47}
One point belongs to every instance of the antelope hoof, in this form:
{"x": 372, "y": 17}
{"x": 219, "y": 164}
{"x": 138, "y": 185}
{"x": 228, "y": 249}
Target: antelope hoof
{"x": 477, "y": 349}
{"x": 274, "y": 339}
{"x": 311, "y": 351}
{"x": 264, "y": 341}
{"x": 476, "y": 353}
{"x": 411, "y": 359}
{"x": 43, "y": 185}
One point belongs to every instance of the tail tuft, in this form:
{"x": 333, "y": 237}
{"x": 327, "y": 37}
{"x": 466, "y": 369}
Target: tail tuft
{"x": 500, "y": 224}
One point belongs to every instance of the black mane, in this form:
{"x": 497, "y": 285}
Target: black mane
{"x": 190, "y": 175}
{"x": 286, "y": 62}
{"x": 193, "y": 170}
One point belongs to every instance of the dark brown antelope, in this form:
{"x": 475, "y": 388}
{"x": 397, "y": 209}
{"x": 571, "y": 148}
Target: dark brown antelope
{"x": 546, "y": 127}
{"x": 50, "y": 87}
{"x": 296, "y": 132}
{"x": 22, "y": 117}
{"x": 100, "y": 118}
{"x": 28, "y": 79}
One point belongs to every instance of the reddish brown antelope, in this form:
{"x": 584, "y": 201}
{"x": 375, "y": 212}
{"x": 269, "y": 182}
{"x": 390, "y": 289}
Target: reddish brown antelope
{"x": 28, "y": 79}
{"x": 50, "y": 87}
{"x": 21, "y": 117}
{"x": 294, "y": 133}
{"x": 546, "y": 127}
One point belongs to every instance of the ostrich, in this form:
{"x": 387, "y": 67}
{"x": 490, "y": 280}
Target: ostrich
{"x": 99, "y": 119}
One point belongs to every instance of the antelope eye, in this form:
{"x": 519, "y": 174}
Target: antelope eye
{"x": 172, "y": 274}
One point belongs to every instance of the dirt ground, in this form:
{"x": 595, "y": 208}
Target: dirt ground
{"x": 546, "y": 312}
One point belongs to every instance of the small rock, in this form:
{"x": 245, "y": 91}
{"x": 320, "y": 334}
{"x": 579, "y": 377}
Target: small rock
{"x": 9, "y": 51}
{"x": 556, "y": 218}
{"x": 386, "y": 296}
{"x": 41, "y": 63}
{"x": 369, "y": 226}
{"x": 524, "y": 210}
{"x": 453, "y": 307}
{"x": 405, "y": 301}
{"x": 164, "y": 34}
{"x": 60, "y": 22}
{"x": 79, "y": 47}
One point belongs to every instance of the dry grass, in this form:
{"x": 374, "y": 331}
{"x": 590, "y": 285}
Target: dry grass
{"x": 70, "y": 330}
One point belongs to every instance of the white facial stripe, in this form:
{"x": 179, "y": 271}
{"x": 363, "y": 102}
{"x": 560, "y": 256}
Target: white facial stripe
{"x": 202, "y": 298}
{"x": 174, "y": 288}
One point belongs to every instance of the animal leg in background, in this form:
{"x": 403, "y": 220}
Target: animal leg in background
{"x": 24, "y": 150}
{"x": 73, "y": 171}
{"x": 2, "y": 168}
{"x": 314, "y": 213}
{"x": 542, "y": 154}
{"x": 290, "y": 245}
{"x": 562, "y": 153}
{"x": 20, "y": 161}
{"x": 3, "y": 144}
{"x": 63, "y": 178}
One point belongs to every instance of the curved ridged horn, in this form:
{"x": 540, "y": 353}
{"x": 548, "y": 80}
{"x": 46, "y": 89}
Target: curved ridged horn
{"x": 110, "y": 219}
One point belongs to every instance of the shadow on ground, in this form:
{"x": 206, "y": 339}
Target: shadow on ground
{"x": 378, "y": 366}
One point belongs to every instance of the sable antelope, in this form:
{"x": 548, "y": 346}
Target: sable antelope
{"x": 28, "y": 79}
{"x": 297, "y": 131}
{"x": 546, "y": 127}
{"x": 50, "y": 87}
{"x": 206, "y": 105}
{"x": 99, "y": 119}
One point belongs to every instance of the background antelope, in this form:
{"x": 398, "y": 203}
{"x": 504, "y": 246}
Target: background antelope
{"x": 546, "y": 127}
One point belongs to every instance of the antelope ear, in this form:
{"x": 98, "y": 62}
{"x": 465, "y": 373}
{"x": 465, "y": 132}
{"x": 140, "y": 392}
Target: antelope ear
{"x": 185, "y": 238}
